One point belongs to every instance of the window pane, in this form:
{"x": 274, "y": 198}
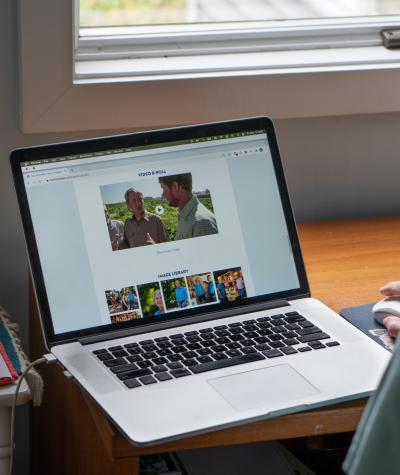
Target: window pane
{"x": 156, "y": 12}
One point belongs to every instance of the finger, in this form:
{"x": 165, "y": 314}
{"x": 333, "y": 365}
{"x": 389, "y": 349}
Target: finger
{"x": 393, "y": 326}
{"x": 391, "y": 289}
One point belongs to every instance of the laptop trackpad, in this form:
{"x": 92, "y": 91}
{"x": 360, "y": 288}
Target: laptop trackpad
{"x": 267, "y": 386}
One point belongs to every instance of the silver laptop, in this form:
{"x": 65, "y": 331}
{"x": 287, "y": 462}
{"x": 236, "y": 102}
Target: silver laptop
{"x": 171, "y": 284}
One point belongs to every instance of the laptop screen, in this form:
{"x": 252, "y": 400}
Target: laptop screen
{"x": 139, "y": 234}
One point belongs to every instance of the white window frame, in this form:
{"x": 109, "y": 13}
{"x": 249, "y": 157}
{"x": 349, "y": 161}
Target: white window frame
{"x": 222, "y": 77}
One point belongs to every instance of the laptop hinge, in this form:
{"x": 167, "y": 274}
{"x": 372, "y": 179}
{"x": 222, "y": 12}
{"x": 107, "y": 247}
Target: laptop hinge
{"x": 183, "y": 322}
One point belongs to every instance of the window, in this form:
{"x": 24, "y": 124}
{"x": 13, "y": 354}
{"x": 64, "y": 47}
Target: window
{"x": 149, "y": 76}
{"x": 138, "y": 38}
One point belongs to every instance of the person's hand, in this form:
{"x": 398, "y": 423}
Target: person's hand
{"x": 392, "y": 289}
{"x": 149, "y": 239}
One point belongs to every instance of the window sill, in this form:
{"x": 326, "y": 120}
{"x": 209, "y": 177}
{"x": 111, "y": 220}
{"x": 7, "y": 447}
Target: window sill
{"x": 236, "y": 65}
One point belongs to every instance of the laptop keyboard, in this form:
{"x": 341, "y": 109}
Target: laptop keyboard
{"x": 193, "y": 352}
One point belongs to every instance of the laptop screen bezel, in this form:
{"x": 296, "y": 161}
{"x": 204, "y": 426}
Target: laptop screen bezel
{"x": 139, "y": 139}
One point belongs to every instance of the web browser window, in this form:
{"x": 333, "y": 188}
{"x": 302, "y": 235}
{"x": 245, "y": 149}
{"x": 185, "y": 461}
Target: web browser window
{"x": 157, "y": 231}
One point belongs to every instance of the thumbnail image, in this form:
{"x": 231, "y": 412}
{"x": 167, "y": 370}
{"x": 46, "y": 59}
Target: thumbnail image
{"x": 156, "y": 210}
{"x": 151, "y": 300}
{"x": 230, "y": 284}
{"x": 126, "y": 317}
{"x": 201, "y": 289}
{"x": 122, "y": 300}
{"x": 175, "y": 293}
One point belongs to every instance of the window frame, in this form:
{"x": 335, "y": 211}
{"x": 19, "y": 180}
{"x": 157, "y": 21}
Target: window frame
{"x": 352, "y": 79}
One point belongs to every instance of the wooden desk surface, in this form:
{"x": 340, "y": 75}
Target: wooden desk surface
{"x": 346, "y": 261}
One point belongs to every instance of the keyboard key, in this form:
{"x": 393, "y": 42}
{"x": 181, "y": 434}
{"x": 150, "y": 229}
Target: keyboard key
{"x": 272, "y": 353}
{"x": 235, "y": 325}
{"x": 279, "y": 329}
{"x": 189, "y": 362}
{"x": 179, "y": 342}
{"x": 249, "y": 322}
{"x": 248, "y": 343}
{"x": 191, "y": 333}
{"x": 275, "y": 317}
{"x": 333, "y": 343}
{"x": 261, "y": 339}
{"x": 133, "y": 374}
{"x": 145, "y": 342}
{"x": 149, "y": 355}
{"x": 204, "y": 351}
{"x": 306, "y": 324}
{"x": 206, "y": 330}
{"x": 163, "y": 376}
{"x": 159, "y": 368}
{"x": 144, "y": 364}
{"x": 290, "y": 341}
{"x": 263, "y": 319}
{"x": 193, "y": 346}
{"x": 221, "y": 327}
{"x": 288, "y": 350}
{"x": 294, "y": 318}
{"x": 175, "y": 336}
{"x": 189, "y": 354}
{"x": 105, "y": 356}
{"x": 204, "y": 359}
{"x": 248, "y": 350}
{"x": 132, "y": 383}
{"x": 161, "y": 338}
{"x": 151, "y": 347}
{"x": 230, "y": 353}
{"x": 302, "y": 349}
{"x": 219, "y": 356}
{"x": 160, "y": 360}
{"x": 276, "y": 337}
{"x": 289, "y": 334}
{"x": 179, "y": 373}
{"x": 164, "y": 352}
{"x": 135, "y": 351}
{"x": 313, "y": 337}
{"x": 123, "y": 368}
{"x": 308, "y": 331}
{"x": 175, "y": 365}
{"x": 120, "y": 353}
{"x": 317, "y": 345}
{"x": 164, "y": 345}
{"x": 98, "y": 352}
{"x": 233, "y": 346}
{"x": 276, "y": 344}
{"x": 201, "y": 368}
{"x": 176, "y": 357}
{"x": 293, "y": 326}
{"x": 262, "y": 347}
{"x": 131, "y": 345}
{"x": 134, "y": 358}
{"x": 114, "y": 362}
{"x": 115, "y": 348}
{"x": 147, "y": 380}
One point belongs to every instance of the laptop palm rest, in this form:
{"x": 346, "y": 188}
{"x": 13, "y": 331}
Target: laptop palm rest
{"x": 263, "y": 387}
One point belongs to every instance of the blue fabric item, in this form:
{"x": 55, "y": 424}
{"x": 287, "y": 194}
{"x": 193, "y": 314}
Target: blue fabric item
{"x": 375, "y": 446}
{"x": 7, "y": 339}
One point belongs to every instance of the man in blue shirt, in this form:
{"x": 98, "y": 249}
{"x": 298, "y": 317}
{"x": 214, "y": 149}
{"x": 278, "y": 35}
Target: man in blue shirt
{"x": 181, "y": 295}
{"x": 221, "y": 291}
{"x": 211, "y": 289}
{"x": 131, "y": 299}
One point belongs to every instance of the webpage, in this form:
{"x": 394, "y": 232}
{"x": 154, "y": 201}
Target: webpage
{"x": 143, "y": 235}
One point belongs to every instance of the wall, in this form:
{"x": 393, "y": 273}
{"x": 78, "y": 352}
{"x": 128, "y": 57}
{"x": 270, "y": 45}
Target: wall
{"x": 336, "y": 168}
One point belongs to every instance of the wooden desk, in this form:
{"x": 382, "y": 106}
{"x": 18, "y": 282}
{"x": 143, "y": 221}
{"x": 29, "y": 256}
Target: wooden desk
{"x": 346, "y": 261}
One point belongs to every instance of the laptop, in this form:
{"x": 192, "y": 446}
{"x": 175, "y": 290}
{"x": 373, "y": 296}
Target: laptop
{"x": 171, "y": 284}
